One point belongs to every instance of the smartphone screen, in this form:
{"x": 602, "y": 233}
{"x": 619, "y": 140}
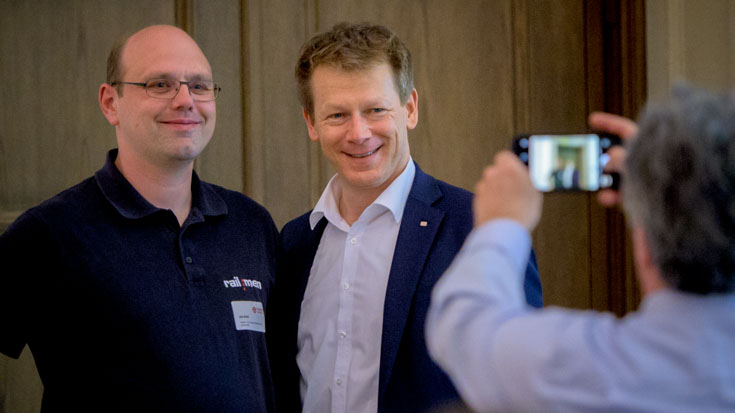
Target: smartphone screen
{"x": 571, "y": 162}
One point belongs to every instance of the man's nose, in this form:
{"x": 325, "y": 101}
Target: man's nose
{"x": 183, "y": 98}
{"x": 359, "y": 128}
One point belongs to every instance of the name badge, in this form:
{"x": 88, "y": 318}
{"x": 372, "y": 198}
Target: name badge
{"x": 249, "y": 315}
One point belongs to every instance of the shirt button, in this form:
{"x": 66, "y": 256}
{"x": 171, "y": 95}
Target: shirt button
{"x": 189, "y": 260}
{"x": 343, "y": 334}
{"x": 353, "y": 241}
{"x": 346, "y": 286}
{"x": 339, "y": 382}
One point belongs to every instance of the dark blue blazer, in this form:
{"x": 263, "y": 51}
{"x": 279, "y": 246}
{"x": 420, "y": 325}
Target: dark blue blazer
{"x": 409, "y": 380}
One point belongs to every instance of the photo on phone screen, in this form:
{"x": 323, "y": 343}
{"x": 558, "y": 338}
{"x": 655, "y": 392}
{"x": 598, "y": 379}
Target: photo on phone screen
{"x": 571, "y": 162}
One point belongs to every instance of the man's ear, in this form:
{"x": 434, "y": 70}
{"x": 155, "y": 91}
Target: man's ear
{"x": 310, "y": 125}
{"x": 108, "y": 103}
{"x": 412, "y": 109}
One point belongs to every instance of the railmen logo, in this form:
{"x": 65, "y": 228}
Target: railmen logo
{"x": 243, "y": 283}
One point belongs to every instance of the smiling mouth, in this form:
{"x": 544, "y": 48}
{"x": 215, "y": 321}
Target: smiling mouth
{"x": 188, "y": 122}
{"x": 362, "y": 155}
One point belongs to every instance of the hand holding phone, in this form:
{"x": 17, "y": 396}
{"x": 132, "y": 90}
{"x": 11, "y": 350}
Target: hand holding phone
{"x": 626, "y": 129}
{"x": 505, "y": 191}
{"x": 567, "y": 162}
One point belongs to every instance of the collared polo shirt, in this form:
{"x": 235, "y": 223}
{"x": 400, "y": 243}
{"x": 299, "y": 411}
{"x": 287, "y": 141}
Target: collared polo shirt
{"x": 124, "y": 309}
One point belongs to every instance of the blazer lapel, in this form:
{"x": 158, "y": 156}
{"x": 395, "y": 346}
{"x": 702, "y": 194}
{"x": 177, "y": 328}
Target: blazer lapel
{"x": 419, "y": 227}
{"x": 309, "y": 252}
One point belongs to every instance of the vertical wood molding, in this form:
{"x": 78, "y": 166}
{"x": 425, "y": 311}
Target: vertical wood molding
{"x": 245, "y": 93}
{"x": 625, "y": 93}
{"x": 633, "y": 30}
{"x": 318, "y": 166}
{"x": 184, "y": 19}
{"x": 616, "y": 83}
{"x": 279, "y": 169}
{"x": 598, "y": 231}
{"x": 521, "y": 65}
{"x": 184, "y": 15}
{"x": 676, "y": 34}
{"x": 633, "y": 55}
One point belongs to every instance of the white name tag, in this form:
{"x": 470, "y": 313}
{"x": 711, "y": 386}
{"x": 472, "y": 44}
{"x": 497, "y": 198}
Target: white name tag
{"x": 249, "y": 315}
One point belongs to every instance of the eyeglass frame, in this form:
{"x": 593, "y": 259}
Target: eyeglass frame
{"x": 216, "y": 89}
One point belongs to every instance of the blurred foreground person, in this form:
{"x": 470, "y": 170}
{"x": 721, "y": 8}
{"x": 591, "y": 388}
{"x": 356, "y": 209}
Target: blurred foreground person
{"x": 673, "y": 355}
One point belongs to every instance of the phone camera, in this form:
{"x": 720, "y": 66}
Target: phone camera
{"x": 606, "y": 181}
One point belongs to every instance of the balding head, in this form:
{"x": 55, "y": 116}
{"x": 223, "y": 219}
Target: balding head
{"x": 151, "y": 39}
{"x": 159, "y": 131}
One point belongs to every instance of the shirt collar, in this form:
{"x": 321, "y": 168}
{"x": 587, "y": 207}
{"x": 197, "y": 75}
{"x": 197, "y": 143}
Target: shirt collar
{"x": 131, "y": 204}
{"x": 392, "y": 198}
{"x": 669, "y": 300}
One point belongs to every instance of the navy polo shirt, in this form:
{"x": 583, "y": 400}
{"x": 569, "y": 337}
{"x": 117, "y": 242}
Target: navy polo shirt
{"x": 125, "y": 310}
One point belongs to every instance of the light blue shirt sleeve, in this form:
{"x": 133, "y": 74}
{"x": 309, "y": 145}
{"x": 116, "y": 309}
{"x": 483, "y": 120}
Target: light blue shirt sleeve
{"x": 673, "y": 355}
{"x": 482, "y": 288}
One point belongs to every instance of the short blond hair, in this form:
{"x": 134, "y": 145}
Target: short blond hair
{"x": 354, "y": 47}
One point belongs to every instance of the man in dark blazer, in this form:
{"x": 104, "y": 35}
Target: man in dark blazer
{"x": 346, "y": 317}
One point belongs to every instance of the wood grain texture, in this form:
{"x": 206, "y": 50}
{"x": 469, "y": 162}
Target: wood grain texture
{"x": 279, "y": 160}
{"x": 216, "y": 27}
{"x": 52, "y": 132}
{"x": 557, "y": 103}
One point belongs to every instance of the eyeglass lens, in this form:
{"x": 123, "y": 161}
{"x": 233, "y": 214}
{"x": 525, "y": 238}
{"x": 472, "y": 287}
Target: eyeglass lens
{"x": 168, "y": 88}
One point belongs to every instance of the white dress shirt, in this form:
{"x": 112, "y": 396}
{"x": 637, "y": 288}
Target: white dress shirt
{"x": 676, "y": 354}
{"x": 340, "y": 329}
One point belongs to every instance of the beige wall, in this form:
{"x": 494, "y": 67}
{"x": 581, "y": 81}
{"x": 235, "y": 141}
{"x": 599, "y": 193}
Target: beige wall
{"x": 692, "y": 41}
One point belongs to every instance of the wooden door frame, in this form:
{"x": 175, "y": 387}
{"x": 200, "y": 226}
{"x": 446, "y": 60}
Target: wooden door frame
{"x": 616, "y": 81}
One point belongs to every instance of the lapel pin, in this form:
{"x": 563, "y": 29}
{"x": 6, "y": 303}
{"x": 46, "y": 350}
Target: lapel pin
{"x": 423, "y": 223}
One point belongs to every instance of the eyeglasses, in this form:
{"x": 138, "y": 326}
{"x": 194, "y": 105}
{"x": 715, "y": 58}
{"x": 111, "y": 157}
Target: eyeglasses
{"x": 199, "y": 90}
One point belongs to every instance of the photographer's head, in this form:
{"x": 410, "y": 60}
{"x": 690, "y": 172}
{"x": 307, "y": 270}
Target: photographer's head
{"x": 680, "y": 189}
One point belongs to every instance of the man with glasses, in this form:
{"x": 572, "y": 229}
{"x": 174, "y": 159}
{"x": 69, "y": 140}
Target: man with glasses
{"x": 143, "y": 287}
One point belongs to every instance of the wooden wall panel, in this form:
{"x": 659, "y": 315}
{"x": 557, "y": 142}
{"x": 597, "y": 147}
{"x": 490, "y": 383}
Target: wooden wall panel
{"x": 216, "y": 26}
{"x": 52, "y": 132}
{"x": 557, "y": 102}
{"x": 282, "y": 167}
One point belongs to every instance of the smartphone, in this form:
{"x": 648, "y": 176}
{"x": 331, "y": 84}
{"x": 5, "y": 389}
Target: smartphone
{"x": 567, "y": 162}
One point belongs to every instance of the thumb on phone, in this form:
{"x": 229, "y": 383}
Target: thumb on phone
{"x": 626, "y": 129}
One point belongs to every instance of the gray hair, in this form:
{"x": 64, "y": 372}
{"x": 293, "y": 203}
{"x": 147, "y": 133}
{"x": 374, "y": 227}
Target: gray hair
{"x": 680, "y": 188}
